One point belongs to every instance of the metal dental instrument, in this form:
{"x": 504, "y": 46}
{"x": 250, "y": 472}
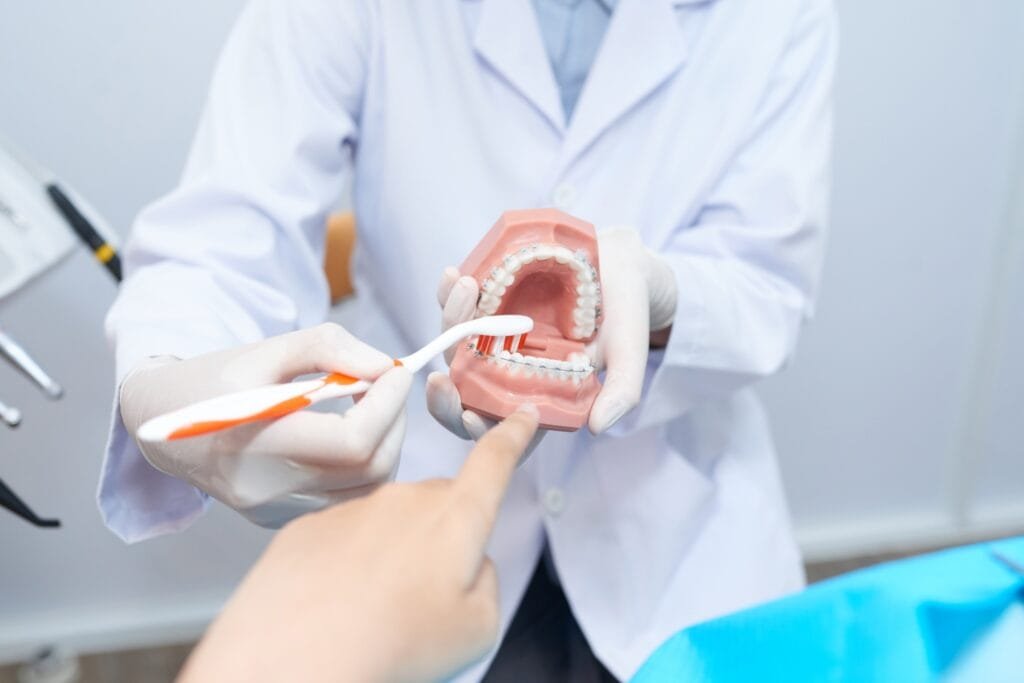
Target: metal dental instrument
{"x": 24, "y": 363}
{"x": 10, "y": 416}
{"x": 10, "y": 500}
{"x": 99, "y": 246}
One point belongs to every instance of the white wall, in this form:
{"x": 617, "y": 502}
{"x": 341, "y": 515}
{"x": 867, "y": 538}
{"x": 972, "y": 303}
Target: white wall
{"x": 106, "y": 93}
{"x": 899, "y": 419}
{"x": 880, "y": 419}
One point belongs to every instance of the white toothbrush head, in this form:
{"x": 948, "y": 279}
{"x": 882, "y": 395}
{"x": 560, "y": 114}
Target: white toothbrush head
{"x": 498, "y": 326}
{"x": 491, "y": 326}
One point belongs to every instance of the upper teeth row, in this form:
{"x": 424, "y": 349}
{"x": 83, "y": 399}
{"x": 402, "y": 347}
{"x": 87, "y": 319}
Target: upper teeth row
{"x": 588, "y": 288}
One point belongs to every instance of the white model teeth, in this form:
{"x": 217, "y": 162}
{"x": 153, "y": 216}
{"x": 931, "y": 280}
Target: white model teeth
{"x": 588, "y": 289}
{"x": 576, "y": 368}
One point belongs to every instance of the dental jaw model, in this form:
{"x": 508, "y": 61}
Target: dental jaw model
{"x": 542, "y": 263}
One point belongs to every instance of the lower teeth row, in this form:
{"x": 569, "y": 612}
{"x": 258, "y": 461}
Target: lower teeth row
{"x": 576, "y": 369}
{"x": 515, "y": 368}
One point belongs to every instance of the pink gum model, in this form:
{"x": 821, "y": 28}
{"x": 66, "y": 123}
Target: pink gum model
{"x": 541, "y": 263}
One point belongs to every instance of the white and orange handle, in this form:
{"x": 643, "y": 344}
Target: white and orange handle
{"x": 277, "y": 400}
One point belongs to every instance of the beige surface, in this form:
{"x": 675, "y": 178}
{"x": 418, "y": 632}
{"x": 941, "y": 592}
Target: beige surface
{"x": 338, "y": 247}
{"x": 156, "y": 665}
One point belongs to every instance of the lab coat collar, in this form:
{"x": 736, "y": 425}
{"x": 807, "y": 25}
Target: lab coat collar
{"x": 508, "y": 38}
{"x": 643, "y": 47}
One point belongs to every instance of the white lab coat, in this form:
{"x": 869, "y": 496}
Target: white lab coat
{"x": 706, "y": 125}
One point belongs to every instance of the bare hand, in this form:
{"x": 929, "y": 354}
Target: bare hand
{"x": 394, "y": 586}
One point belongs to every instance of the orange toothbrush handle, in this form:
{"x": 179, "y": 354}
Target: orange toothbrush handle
{"x": 279, "y": 410}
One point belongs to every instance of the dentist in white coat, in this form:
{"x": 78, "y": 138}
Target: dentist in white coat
{"x": 703, "y": 126}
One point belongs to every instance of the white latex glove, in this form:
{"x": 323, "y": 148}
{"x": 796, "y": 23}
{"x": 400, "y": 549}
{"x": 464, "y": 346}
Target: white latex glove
{"x": 392, "y": 587}
{"x": 638, "y": 293}
{"x": 630, "y": 273}
{"x": 457, "y": 297}
{"x": 273, "y": 471}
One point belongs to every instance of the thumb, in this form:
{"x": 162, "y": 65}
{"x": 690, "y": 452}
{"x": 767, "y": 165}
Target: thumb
{"x": 460, "y": 307}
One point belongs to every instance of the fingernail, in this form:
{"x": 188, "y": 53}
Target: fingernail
{"x": 529, "y": 409}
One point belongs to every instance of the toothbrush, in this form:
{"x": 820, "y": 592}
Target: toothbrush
{"x": 277, "y": 400}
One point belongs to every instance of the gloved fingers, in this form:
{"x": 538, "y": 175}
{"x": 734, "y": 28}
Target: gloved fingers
{"x": 460, "y": 307}
{"x": 380, "y": 468}
{"x": 476, "y": 425}
{"x": 274, "y": 514}
{"x": 623, "y": 383}
{"x": 324, "y": 348}
{"x": 375, "y": 426}
{"x": 384, "y": 464}
{"x": 256, "y": 478}
{"x": 444, "y": 288}
{"x": 445, "y": 405}
{"x": 623, "y": 343}
{"x": 343, "y": 495}
{"x": 347, "y": 441}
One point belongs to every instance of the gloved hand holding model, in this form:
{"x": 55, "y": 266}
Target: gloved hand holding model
{"x": 273, "y": 471}
{"x": 613, "y": 321}
{"x": 392, "y": 587}
{"x": 640, "y": 304}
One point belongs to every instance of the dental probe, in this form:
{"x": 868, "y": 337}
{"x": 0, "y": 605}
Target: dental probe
{"x": 24, "y": 363}
{"x": 10, "y": 500}
{"x": 89, "y": 235}
{"x": 272, "y": 401}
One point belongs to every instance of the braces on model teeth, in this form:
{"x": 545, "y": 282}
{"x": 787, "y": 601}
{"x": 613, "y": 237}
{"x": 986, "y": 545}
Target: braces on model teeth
{"x": 588, "y": 289}
{"x": 504, "y": 351}
{"x": 576, "y": 368}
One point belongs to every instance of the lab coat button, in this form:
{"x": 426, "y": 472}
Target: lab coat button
{"x": 564, "y": 196}
{"x": 554, "y": 501}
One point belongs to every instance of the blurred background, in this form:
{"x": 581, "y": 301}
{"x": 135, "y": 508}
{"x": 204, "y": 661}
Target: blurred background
{"x": 899, "y": 424}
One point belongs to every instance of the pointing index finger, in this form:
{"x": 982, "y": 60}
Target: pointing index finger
{"x": 488, "y": 470}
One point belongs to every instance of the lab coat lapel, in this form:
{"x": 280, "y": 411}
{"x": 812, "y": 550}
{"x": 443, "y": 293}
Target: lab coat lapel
{"x": 643, "y": 47}
{"x": 508, "y": 39}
